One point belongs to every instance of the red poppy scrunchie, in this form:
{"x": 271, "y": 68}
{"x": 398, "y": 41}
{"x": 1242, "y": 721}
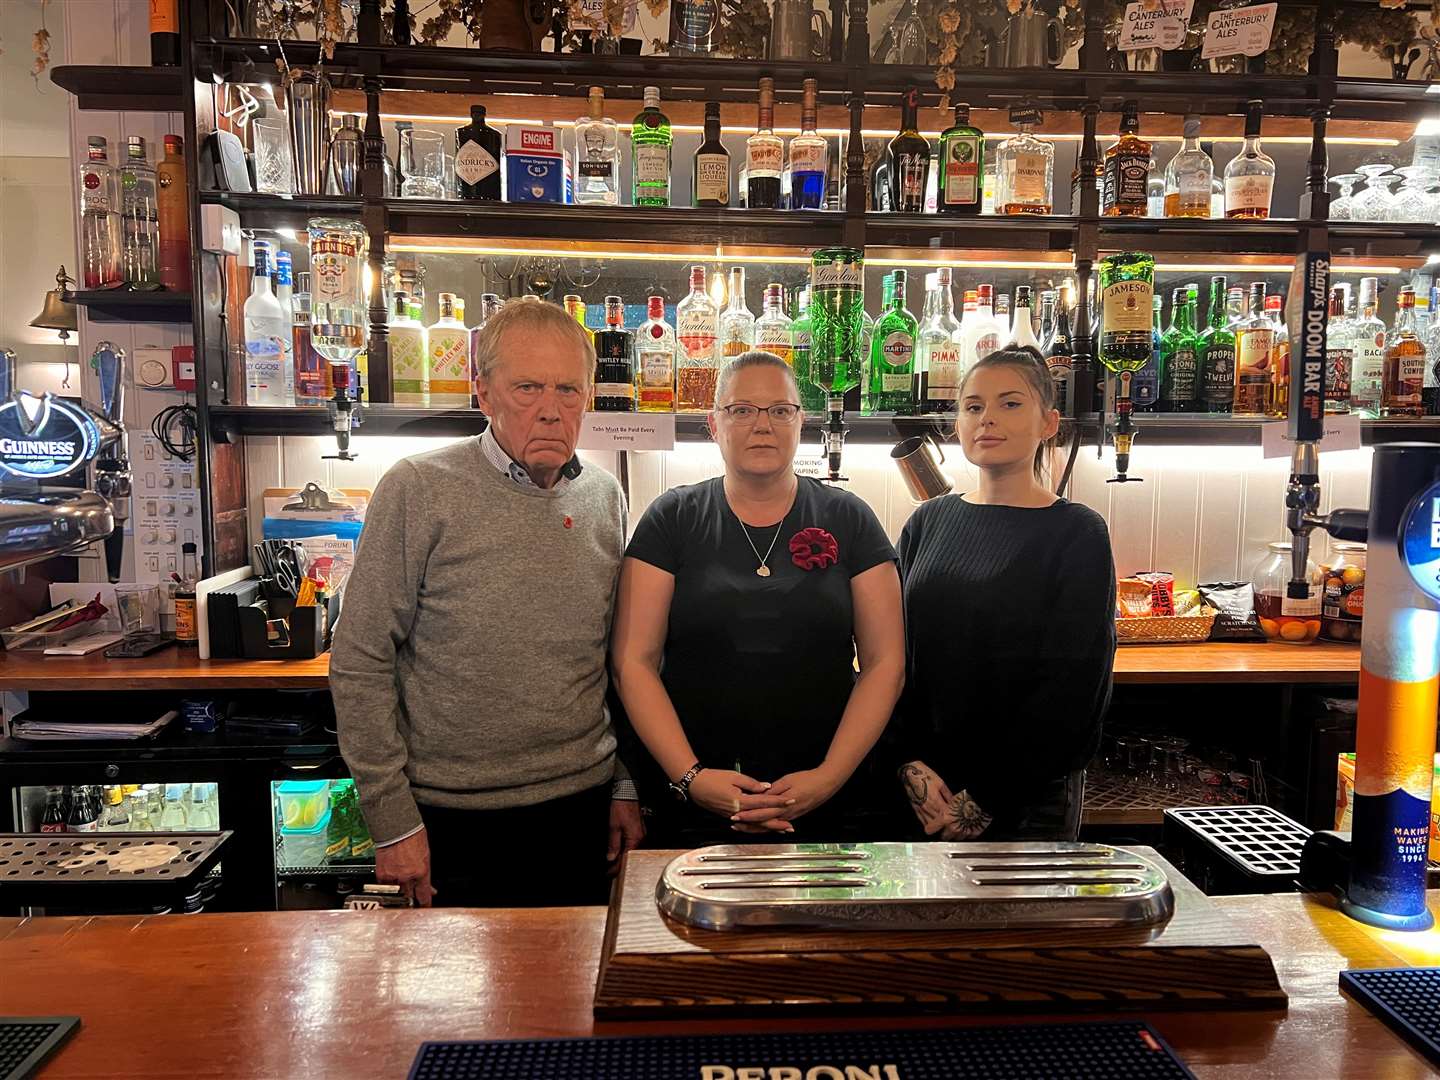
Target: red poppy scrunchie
{"x": 813, "y": 549}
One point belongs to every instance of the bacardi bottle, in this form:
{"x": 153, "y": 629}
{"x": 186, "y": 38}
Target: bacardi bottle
{"x": 1368, "y": 376}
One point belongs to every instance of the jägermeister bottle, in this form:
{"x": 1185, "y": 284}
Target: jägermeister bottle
{"x": 837, "y": 303}
{"x": 892, "y": 355}
{"x": 1217, "y": 354}
{"x": 1178, "y": 348}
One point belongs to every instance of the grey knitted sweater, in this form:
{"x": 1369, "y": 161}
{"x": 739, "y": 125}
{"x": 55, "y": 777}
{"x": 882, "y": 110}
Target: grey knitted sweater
{"x": 469, "y": 660}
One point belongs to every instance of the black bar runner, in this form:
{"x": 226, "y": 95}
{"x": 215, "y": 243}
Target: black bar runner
{"x": 1126, "y": 1050}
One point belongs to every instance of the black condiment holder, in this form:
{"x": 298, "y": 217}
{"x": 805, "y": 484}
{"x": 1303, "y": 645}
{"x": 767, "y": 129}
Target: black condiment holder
{"x": 307, "y": 629}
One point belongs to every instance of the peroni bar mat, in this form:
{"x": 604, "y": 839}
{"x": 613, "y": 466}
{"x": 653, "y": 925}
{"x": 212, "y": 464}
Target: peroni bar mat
{"x": 1406, "y": 1000}
{"x": 1126, "y": 1050}
{"x": 26, "y": 1041}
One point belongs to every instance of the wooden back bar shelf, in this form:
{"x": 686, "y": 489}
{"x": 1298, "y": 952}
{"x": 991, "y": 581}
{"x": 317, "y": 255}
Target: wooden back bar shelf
{"x": 180, "y": 669}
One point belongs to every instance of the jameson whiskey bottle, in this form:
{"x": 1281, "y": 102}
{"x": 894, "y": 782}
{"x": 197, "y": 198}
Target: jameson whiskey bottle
{"x": 1178, "y": 362}
{"x": 962, "y": 150}
{"x": 1126, "y": 306}
{"x": 1217, "y": 353}
{"x": 837, "y": 308}
{"x": 892, "y": 355}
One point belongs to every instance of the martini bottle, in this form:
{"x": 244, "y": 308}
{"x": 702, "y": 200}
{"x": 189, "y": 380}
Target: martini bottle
{"x": 892, "y": 355}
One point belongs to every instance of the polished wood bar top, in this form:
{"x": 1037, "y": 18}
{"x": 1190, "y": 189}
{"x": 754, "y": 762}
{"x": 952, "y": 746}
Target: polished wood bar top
{"x": 182, "y": 669}
{"x": 352, "y": 994}
{"x": 1238, "y": 662}
{"x": 172, "y": 668}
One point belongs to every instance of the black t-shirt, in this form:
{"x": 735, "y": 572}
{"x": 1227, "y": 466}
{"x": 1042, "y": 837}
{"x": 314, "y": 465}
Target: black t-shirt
{"x": 759, "y": 669}
{"x": 1010, "y": 624}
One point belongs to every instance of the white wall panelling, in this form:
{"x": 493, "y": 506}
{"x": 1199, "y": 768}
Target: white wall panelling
{"x": 1204, "y": 513}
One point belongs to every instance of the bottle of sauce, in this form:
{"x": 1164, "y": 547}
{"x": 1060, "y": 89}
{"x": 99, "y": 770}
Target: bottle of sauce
{"x": 187, "y": 628}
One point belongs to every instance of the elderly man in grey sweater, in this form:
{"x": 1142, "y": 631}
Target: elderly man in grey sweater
{"x": 469, "y": 663}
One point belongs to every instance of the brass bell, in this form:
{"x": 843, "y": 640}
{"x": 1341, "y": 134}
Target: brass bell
{"x": 59, "y": 310}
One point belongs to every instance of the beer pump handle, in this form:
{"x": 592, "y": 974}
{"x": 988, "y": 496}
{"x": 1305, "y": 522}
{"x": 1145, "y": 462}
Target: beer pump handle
{"x": 1348, "y": 525}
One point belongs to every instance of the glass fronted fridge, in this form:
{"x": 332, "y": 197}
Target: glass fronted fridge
{"x": 323, "y": 849}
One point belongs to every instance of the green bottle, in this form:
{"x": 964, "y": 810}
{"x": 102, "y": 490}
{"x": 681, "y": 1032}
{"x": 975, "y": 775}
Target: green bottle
{"x": 892, "y": 354}
{"x": 887, "y": 293}
{"x": 650, "y": 153}
{"x": 837, "y": 304}
{"x": 812, "y": 398}
{"x": 962, "y": 153}
{"x": 1216, "y": 379}
{"x": 1179, "y": 349}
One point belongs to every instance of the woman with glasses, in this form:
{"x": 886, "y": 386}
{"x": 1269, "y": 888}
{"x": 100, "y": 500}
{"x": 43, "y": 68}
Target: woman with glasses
{"x": 744, "y": 601}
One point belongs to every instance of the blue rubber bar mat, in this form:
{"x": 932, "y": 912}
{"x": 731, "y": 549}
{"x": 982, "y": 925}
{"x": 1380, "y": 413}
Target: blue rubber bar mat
{"x": 1125, "y": 1050}
{"x": 26, "y": 1041}
{"x": 1406, "y": 1000}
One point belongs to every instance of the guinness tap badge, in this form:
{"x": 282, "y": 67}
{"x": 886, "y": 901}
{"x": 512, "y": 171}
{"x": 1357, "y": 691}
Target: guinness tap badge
{"x": 44, "y": 437}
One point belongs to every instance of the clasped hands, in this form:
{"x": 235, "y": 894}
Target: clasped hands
{"x": 755, "y": 806}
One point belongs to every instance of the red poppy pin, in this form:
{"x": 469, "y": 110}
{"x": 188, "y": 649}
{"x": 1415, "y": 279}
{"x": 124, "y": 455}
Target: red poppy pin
{"x": 569, "y": 523}
{"x": 813, "y": 549}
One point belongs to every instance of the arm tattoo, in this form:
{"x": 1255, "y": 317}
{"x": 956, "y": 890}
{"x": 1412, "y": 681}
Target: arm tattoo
{"x": 917, "y": 785}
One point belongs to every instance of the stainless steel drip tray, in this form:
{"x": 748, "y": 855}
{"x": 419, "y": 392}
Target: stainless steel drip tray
{"x": 877, "y": 887}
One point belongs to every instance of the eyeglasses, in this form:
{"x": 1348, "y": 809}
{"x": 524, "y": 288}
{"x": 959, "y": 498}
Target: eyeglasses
{"x": 784, "y": 412}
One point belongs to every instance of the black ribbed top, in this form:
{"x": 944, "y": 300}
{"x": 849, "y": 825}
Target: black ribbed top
{"x": 1010, "y": 625}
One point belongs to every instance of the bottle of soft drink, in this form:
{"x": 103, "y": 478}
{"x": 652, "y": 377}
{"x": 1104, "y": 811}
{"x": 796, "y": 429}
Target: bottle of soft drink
{"x": 116, "y": 817}
{"x": 53, "y": 819}
{"x": 84, "y": 815}
{"x": 338, "y": 839}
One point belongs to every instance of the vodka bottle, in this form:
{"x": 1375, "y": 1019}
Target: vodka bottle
{"x": 141, "y": 217}
{"x": 100, "y": 226}
{"x": 268, "y": 330}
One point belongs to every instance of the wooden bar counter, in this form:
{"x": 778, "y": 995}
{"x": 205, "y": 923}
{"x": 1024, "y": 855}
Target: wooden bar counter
{"x": 182, "y": 669}
{"x": 353, "y": 994}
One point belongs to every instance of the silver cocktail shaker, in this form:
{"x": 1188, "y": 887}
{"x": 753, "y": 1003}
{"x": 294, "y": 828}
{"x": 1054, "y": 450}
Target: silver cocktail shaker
{"x": 307, "y": 104}
{"x": 346, "y": 157}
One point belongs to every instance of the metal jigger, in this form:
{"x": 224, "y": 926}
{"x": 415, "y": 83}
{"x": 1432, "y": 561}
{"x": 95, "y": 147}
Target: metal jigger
{"x": 1124, "y": 432}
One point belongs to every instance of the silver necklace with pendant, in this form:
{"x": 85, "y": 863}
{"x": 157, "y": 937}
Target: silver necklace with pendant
{"x": 762, "y": 570}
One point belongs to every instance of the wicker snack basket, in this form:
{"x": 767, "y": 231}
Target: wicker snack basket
{"x": 1163, "y": 629}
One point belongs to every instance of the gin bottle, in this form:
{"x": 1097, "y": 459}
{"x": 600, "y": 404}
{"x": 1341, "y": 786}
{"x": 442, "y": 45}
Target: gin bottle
{"x": 597, "y": 155}
{"x": 837, "y": 308}
{"x": 650, "y": 153}
{"x": 774, "y": 330}
{"x": 697, "y": 329}
{"x": 655, "y": 360}
{"x": 809, "y": 156}
{"x": 812, "y": 398}
{"x": 409, "y": 364}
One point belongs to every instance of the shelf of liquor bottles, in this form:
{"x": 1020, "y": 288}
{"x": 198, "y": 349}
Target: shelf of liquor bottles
{"x": 893, "y": 236}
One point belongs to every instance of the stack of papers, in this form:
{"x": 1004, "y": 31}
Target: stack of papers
{"x": 69, "y": 730}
